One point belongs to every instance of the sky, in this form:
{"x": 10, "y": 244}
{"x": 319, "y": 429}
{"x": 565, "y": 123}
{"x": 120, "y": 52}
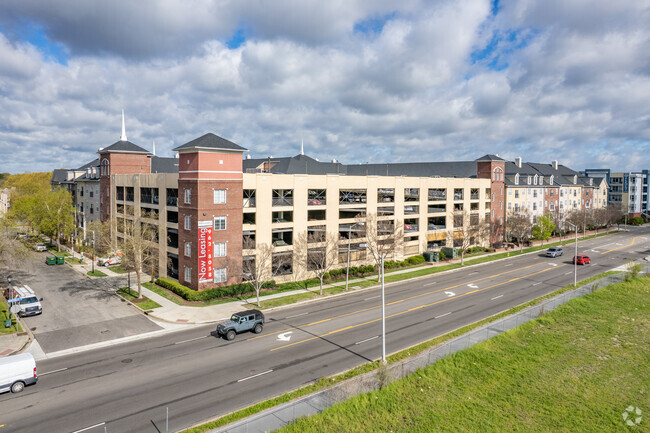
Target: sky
{"x": 360, "y": 81}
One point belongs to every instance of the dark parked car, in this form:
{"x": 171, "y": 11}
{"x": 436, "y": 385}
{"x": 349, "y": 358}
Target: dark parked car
{"x": 249, "y": 320}
{"x": 582, "y": 260}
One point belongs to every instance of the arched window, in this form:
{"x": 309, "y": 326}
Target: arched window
{"x": 497, "y": 174}
{"x": 105, "y": 168}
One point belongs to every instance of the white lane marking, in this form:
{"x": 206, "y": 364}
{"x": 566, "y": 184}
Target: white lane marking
{"x": 552, "y": 264}
{"x": 255, "y": 375}
{"x": 367, "y": 339}
{"x": 537, "y": 284}
{"x": 618, "y": 243}
{"x": 296, "y": 315}
{"x": 429, "y": 284}
{"x": 285, "y": 336}
{"x": 472, "y": 286}
{"x": 594, "y": 251}
{"x": 372, "y": 297}
{"x": 442, "y": 315}
{"x": 191, "y": 339}
{"x": 53, "y": 371}
{"x": 568, "y": 273}
{"x": 450, "y": 294}
{"x": 496, "y": 297}
{"x": 509, "y": 264}
{"x": 88, "y": 428}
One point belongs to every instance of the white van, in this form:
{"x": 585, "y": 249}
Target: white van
{"x": 29, "y": 304}
{"x": 16, "y": 372}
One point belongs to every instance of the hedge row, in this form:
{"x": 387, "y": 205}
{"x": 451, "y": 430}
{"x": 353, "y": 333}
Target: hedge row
{"x": 415, "y": 260}
{"x": 214, "y": 293}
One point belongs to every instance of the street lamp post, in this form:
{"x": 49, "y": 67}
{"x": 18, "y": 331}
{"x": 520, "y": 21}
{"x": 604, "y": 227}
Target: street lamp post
{"x": 347, "y": 271}
{"x": 383, "y": 315}
{"x": 575, "y": 256}
{"x": 10, "y": 293}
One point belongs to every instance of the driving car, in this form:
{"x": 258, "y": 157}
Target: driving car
{"x": 554, "y": 252}
{"x": 249, "y": 320}
{"x": 581, "y": 260}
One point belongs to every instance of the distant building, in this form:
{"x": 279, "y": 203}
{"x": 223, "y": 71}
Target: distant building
{"x": 627, "y": 190}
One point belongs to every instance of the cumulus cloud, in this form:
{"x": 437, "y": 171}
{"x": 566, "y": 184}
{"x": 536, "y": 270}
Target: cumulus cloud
{"x": 359, "y": 81}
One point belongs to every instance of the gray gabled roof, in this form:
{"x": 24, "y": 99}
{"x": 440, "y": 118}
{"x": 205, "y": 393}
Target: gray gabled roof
{"x": 490, "y": 157}
{"x": 299, "y": 164}
{"x": 415, "y": 169}
{"x": 93, "y": 163}
{"x": 59, "y": 176}
{"x": 211, "y": 141}
{"x": 124, "y": 147}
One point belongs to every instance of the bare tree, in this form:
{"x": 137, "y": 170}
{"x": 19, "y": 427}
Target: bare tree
{"x": 138, "y": 245}
{"x": 384, "y": 239}
{"x": 316, "y": 253}
{"x": 614, "y": 213}
{"x": 469, "y": 229}
{"x": 12, "y": 251}
{"x": 520, "y": 226}
{"x": 576, "y": 218}
{"x": 600, "y": 218}
{"x": 262, "y": 266}
{"x": 99, "y": 240}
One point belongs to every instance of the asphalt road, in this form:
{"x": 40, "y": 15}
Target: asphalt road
{"x": 127, "y": 388}
{"x": 77, "y": 310}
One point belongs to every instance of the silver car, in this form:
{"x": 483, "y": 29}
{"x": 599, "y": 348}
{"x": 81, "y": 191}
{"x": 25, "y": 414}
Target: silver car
{"x": 554, "y": 252}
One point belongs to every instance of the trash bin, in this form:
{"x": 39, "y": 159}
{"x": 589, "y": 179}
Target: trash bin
{"x": 450, "y": 253}
{"x": 50, "y": 260}
{"x": 431, "y": 256}
{"x": 8, "y": 323}
{"x": 60, "y": 260}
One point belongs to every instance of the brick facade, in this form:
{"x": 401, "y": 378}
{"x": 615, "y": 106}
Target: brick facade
{"x": 495, "y": 171}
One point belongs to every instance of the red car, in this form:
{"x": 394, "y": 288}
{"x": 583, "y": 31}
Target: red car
{"x": 582, "y": 260}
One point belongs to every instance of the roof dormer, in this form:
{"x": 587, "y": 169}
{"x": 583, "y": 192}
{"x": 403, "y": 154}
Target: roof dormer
{"x": 516, "y": 178}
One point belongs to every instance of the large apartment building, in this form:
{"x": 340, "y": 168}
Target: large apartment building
{"x": 628, "y": 190}
{"x": 213, "y": 209}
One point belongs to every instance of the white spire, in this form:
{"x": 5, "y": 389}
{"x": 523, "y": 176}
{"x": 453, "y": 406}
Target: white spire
{"x": 123, "y": 137}
{"x": 302, "y": 146}
{"x": 154, "y": 147}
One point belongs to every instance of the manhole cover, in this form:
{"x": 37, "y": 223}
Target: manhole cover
{"x": 127, "y": 361}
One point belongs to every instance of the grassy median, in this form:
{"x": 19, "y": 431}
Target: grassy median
{"x": 574, "y": 369}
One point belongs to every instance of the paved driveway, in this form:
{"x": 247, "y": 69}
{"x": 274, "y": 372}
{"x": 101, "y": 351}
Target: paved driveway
{"x": 77, "y": 310}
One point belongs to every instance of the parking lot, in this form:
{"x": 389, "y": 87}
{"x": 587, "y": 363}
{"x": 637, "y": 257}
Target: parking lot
{"x": 77, "y": 310}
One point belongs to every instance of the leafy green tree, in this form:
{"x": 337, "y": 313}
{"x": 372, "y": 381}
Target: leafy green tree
{"x": 544, "y": 228}
{"x": 28, "y": 184}
{"x": 56, "y": 214}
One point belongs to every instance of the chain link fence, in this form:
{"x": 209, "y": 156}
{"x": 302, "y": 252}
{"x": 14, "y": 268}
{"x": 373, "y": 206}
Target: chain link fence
{"x": 279, "y": 416}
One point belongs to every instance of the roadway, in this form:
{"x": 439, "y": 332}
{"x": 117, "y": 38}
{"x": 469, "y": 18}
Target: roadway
{"x": 127, "y": 388}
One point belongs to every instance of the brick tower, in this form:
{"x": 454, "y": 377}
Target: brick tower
{"x": 210, "y": 212}
{"x": 121, "y": 157}
{"x": 493, "y": 167}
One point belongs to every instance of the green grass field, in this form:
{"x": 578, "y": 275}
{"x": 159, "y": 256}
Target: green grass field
{"x": 4, "y": 314}
{"x": 576, "y": 369}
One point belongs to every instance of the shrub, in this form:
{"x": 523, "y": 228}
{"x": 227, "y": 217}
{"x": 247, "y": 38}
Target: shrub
{"x": 209, "y": 294}
{"x": 415, "y": 260}
{"x": 637, "y": 221}
{"x": 442, "y": 256}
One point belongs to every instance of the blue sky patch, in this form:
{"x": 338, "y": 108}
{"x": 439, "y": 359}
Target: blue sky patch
{"x": 34, "y": 34}
{"x": 374, "y": 25}
{"x": 498, "y": 51}
{"x": 237, "y": 39}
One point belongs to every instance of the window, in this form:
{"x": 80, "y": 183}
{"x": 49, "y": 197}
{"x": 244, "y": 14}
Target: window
{"x": 188, "y": 222}
{"x": 458, "y": 193}
{"x": 91, "y": 193}
{"x": 188, "y": 275}
{"x": 411, "y": 194}
{"x": 516, "y": 193}
{"x": 352, "y": 196}
{"x": 172, "y": 197}
{"x": 386, "y": 195}
{"x": 188, "y": 196}
{"x": 249, "y": 218}
{"x": 188, "y": 249}
{"x": 220, "y": 275}
{"x": 282, "y": 197}
{"x": 437, "y": 194}
{"x": 120, "y": 193}
{"x": 105, "y": 168}
{"x": 249, "y": 198}
{"x": 473, "y": 194}
{"x": 316, "y": 197}
{"x": 220, "y": 249}
{"x": 219, "y": 196}
{"x": 220, "y": 223}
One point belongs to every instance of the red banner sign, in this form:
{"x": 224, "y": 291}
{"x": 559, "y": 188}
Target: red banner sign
{"x": 205, "y": 252}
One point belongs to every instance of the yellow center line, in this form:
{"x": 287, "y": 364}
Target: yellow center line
{"x": 413, "y": 309}
{"x": 391, "y": 303}
{"x": 624, "y": 246}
